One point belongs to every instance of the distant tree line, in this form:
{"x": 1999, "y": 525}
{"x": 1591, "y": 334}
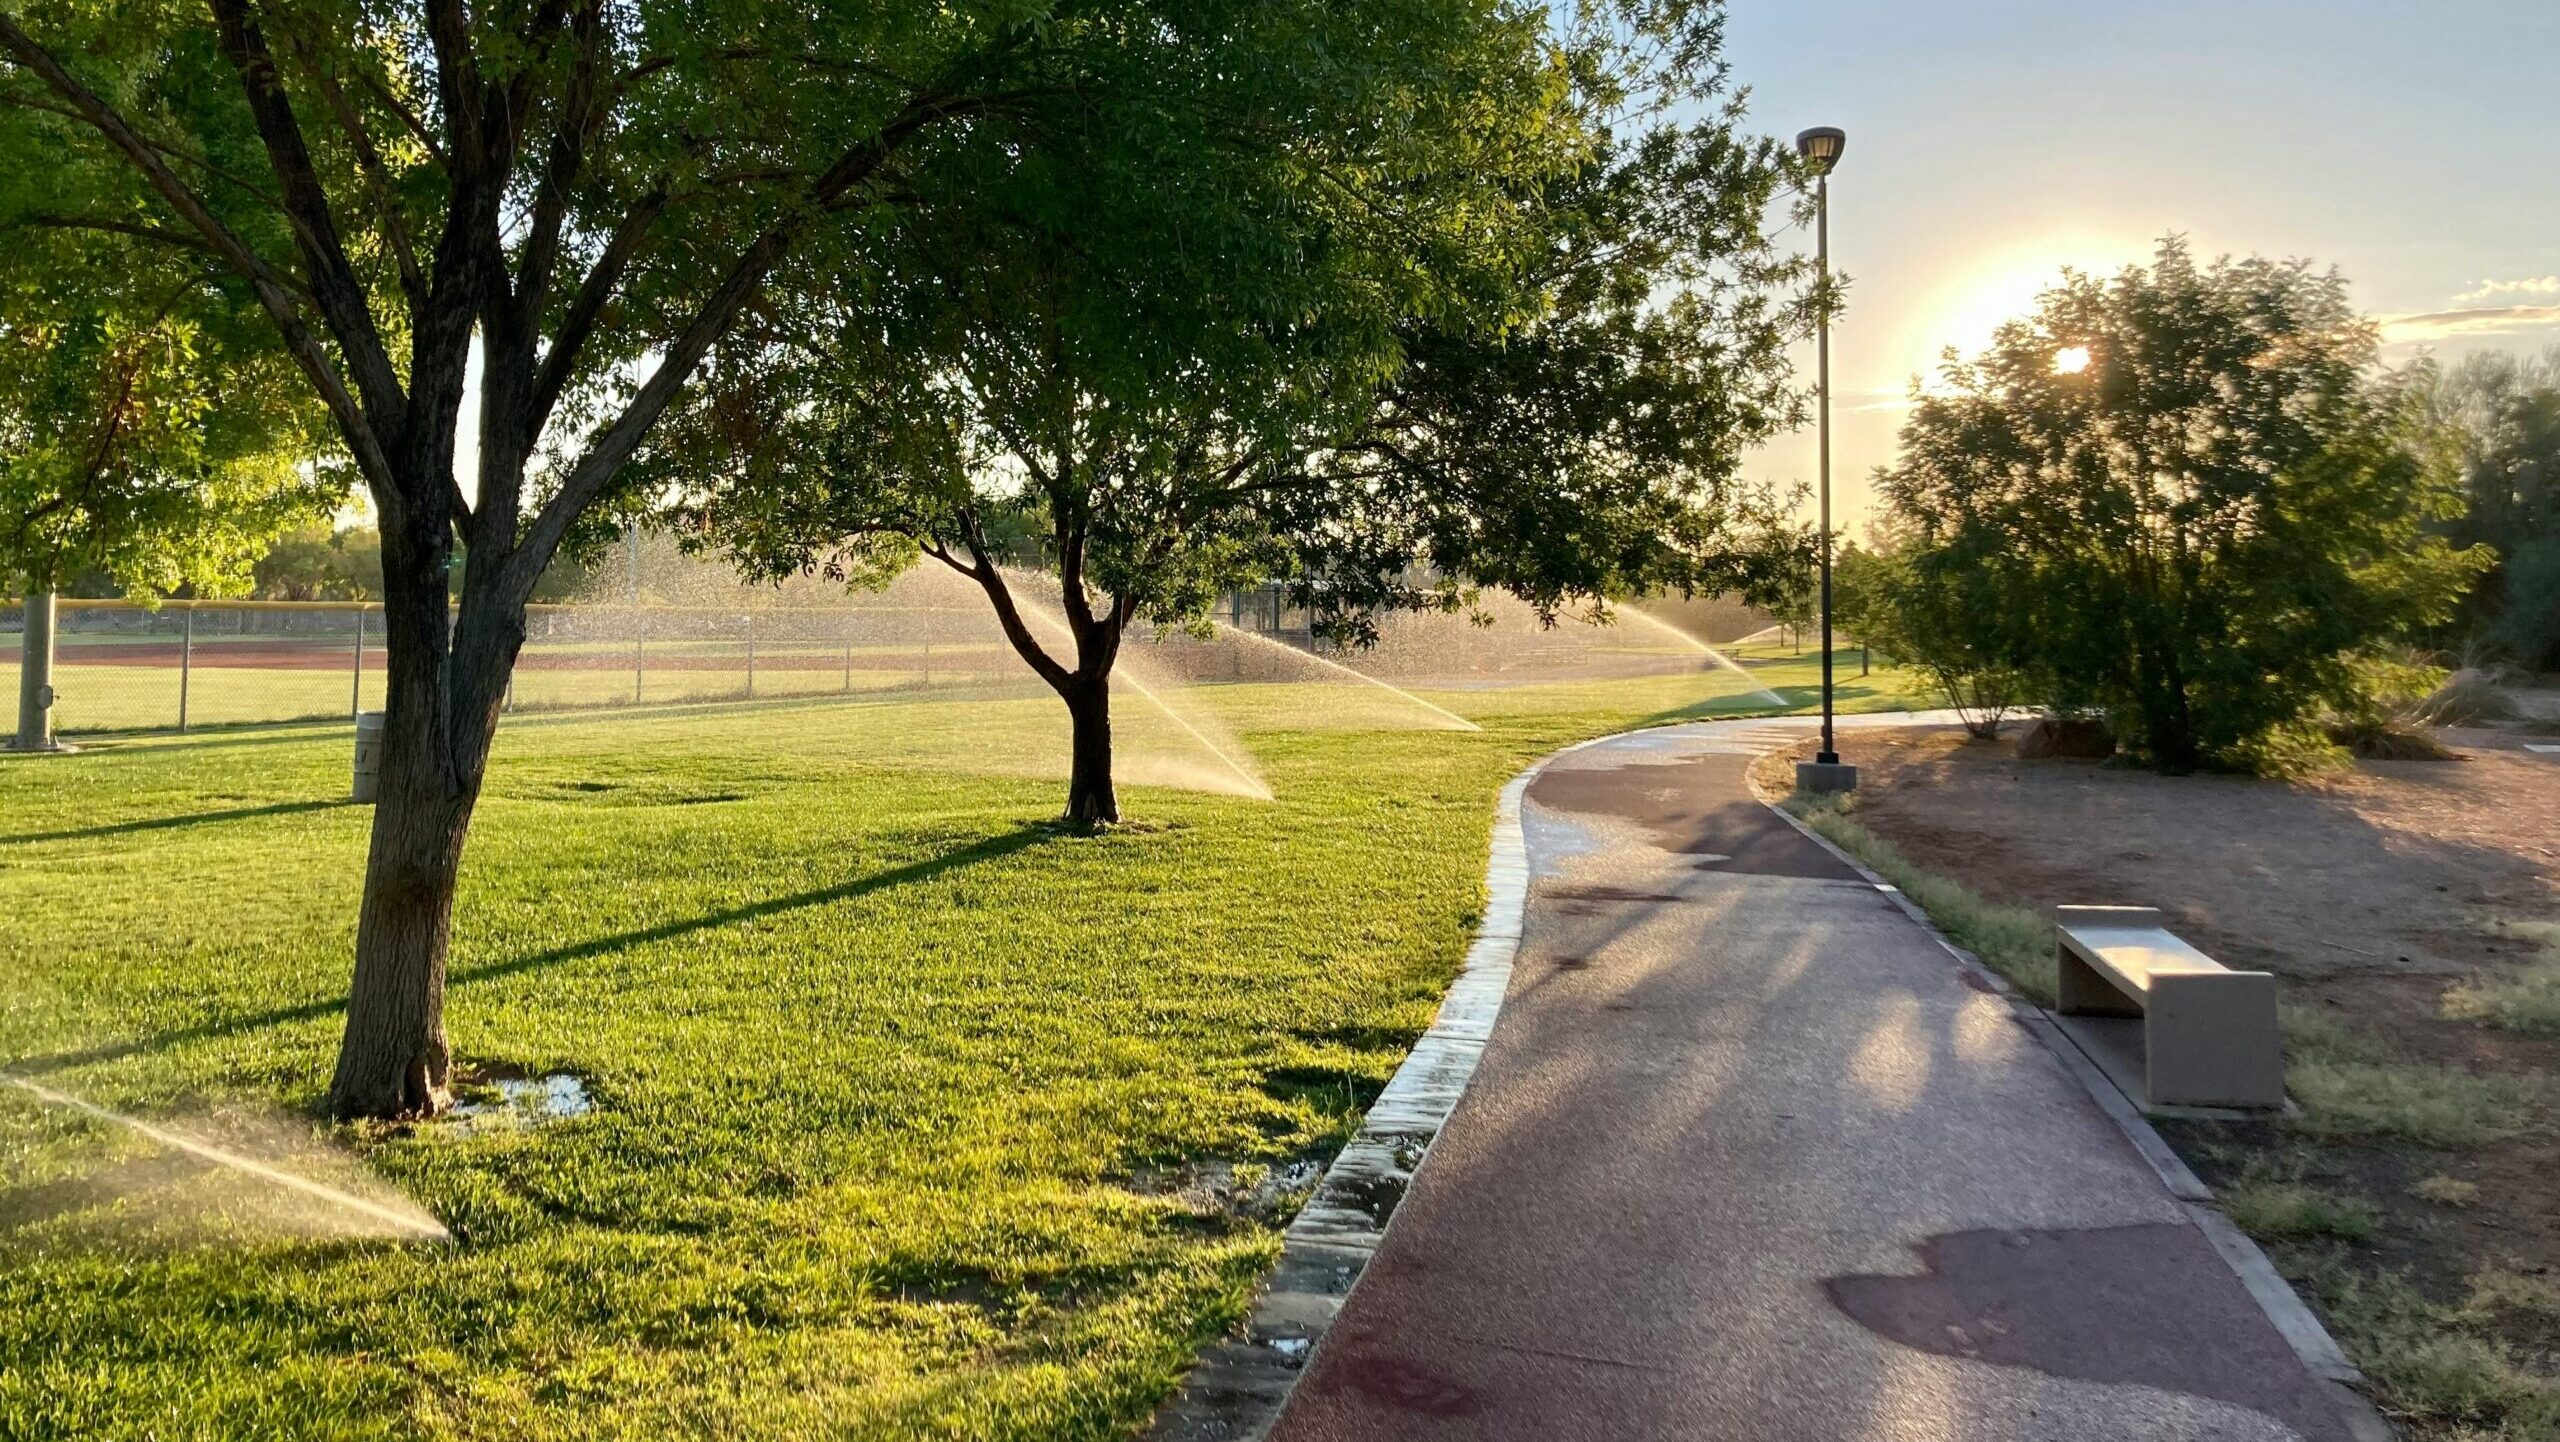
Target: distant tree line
{"x": 2503, "y": 412}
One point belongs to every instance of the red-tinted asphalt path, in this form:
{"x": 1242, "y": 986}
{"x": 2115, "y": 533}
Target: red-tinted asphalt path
{"x": 1750, "y": 1156}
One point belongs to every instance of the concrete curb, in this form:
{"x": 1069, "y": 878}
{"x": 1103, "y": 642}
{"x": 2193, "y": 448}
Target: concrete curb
{"x": 1238, "y": 1384}
{"x": 2285, "y": 1310}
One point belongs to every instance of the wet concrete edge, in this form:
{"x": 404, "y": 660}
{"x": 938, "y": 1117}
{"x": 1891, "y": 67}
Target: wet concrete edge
{"x": 2285, "y": 1310}
{"x": 1239, "y": 1383}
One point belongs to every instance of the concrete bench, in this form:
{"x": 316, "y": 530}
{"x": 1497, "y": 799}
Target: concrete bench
{"x": 2208, "y": 1033}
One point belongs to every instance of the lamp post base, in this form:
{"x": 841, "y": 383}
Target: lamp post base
{"x": 46, "y": 747}
{"x": 1817, "y": 778}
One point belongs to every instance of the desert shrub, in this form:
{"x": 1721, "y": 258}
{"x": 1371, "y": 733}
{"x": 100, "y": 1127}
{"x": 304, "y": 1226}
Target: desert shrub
{"x": 2383, "y": 715}
{"x": 2467, "y": 698}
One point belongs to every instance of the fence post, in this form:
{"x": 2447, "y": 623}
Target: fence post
{"x": 751, "y": 655}
{"x": 848, "y": 662}
{"x": 355, "y": 685}
{"x": 186, "y": 660}
{"x": 639, "y": 644}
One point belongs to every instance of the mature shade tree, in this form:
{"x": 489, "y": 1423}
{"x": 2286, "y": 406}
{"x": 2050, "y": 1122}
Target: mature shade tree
{"x": 2504, "y": 411}
{"x": 2195, "y": 531}
{"x": 150, "y": 441}
{"x": 135, "y": 447}
{"x": 588, "y": 196}
{"x": 1577, "y": 438}
{"x": 1464, "y": 332}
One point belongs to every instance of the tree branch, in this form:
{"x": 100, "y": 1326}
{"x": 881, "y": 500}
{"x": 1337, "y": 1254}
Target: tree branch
{"x": 595, "y": 292}
{"x": 413, "y": 282}
{"x": 336, "y": 292}
{"x": 718, "y": 310}
{"x": 274, "y": 293}
{"x": 1008, "y": 615}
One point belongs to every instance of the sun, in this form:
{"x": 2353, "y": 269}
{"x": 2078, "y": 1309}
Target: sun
{"x": 2071, "y": 360}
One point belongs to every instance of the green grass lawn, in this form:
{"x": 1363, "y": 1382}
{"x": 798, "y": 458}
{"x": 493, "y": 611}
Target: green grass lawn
{"x": 876, "y": 1057}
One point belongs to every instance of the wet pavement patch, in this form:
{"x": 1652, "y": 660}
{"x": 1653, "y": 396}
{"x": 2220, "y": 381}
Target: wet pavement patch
{"x": 1406, "y": 1386}
{"x": 2107, "y": 1304}
{"x": 1586, "y": 900}
{"x": 1700, "y": 808}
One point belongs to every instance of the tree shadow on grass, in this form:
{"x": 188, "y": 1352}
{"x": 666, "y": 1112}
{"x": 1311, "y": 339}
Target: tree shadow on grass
{"x": 167, "y": 823}
{"x": 990, "y": 848}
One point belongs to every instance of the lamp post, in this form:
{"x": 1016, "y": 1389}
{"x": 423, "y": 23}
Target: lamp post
{"x": 1821, "y": 147}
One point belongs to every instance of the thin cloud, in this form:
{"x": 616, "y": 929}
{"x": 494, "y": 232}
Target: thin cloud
{"x": 2492, "y": 289}
{"x": 2472, "y": 320}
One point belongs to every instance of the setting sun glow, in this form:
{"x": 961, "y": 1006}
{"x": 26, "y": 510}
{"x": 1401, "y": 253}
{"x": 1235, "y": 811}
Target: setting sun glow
{"x": 2071, "y": 360}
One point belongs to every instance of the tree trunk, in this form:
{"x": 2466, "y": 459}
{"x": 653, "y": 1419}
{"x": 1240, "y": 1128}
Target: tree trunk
{"x": 392, "y": 1060}
{"x": 1092, "y": 799}
{"x": 447, "y": 676}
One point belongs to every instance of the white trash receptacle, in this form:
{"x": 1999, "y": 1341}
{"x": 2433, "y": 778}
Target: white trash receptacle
{"x": 368, "y": 754}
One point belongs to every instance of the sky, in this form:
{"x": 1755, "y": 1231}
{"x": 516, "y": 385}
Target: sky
{"x": 2414, "y": 144}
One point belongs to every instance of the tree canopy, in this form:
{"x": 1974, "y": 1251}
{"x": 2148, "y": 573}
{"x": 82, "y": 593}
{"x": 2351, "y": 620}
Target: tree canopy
{"x": 1462, "y": 331}
{"x": 585, "y": 199}
{"x": 149, "y": 436}
{"x": 2196, "y": 532}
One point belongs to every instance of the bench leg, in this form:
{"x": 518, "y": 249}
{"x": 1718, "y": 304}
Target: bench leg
{"x": 2080, "y": 989}
{"x": 2211, "y": 1041}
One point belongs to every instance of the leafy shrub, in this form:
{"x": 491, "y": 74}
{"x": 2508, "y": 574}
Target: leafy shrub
{"x": 2195, "y": 531}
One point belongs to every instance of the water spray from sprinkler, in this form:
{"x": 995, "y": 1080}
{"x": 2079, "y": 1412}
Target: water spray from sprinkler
{"x": 1703, "y": 648}
{"x": 1254, "y": 786}
{"x": 1455, "y": 721}
{"x": 421, "y": 1227}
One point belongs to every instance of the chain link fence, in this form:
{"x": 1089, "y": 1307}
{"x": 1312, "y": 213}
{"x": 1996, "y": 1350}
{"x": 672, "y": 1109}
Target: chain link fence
{"x": 121, "y": 666}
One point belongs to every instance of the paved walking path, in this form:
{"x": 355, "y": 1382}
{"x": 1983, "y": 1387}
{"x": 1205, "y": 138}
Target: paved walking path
{"x": 1750, "y": 1156}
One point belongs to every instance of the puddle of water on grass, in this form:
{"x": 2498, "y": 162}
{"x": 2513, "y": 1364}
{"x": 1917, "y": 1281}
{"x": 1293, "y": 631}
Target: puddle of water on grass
{"x": 1215, "y": 1187}
{"x": 523, "y": 1101}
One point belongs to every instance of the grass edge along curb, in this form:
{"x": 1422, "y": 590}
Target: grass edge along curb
{"x": 2015, "y": 941}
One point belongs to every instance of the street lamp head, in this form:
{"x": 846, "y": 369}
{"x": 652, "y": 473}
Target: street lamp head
{"x": 1821, "y": 147}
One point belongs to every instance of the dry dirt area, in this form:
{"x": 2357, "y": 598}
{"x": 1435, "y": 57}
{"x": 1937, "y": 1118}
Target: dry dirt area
{"x": 2370, "y": 893}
